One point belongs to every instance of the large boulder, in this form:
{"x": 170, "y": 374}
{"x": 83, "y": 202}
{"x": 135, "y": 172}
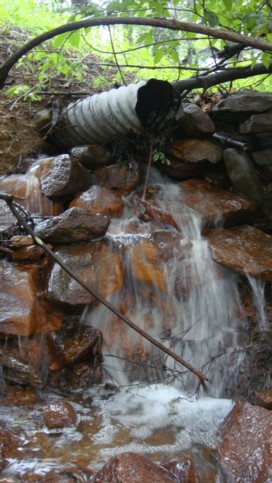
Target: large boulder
{"x": 245, "y": 449}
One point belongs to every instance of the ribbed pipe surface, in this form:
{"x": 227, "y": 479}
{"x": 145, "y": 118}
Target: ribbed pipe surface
{"x": 102, "y": 117}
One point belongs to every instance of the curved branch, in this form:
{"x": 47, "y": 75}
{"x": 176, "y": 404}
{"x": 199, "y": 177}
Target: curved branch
{"x": 151, "y": 22}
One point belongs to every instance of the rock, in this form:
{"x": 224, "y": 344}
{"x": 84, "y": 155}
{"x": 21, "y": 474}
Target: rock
{"x": 184, "y": 169}
{"x": 257, "y": 123}
{"x": 244, "y": 249}
{"x": 243, "y": 175}
{"x": 123, "y": 178}
{"x": 195, "y": 122}
{"x": 264, "y": 399}
{"x": 60, "y": 415}
{"x": 246, "y": 446}
{"x": 19, "y": 372}
{"x": 133, "y": 468}
{"x": 6, "y": 217}
{"x": 94, "y": 263}
{"x": 100, "y": 200}
{"x": 65, "y": 179}
{"x": 194, "y": 151}
{"x": 69, "y": 474}
{"x": 215, "y": 205}
{"x": 27, "y": 254}
{"x": 245, "y": 101}
{"x": 182, "y": 468}
{"x": 28, "y": 188}
{"x": 22, "y": 312}
{"x": 10, "y": 440}
{"x": 73, "y": 344}
{"x": 74, "y": 225}
{"x": 148, "y": 259}
{"x": 263, "y": 157}
{"x": 91, "y": 156}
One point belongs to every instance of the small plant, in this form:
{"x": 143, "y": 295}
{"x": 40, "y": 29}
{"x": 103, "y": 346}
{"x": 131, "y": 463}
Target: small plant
{"x": 159, "y": 156}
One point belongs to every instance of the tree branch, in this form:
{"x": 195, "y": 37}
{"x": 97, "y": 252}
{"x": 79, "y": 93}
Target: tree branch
{"x": 10, "y": 202}
{"x": 151, "y": 22}
{"x": 206, "y": 81}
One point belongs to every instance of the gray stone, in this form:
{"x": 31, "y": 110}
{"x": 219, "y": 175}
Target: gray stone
{"x": 74, "y": 225}
{"x": 245, "y": 101}
{"x": 263, "y": 158}
{"x": 195, "y": 122}
{"x": 243, "y": 176}
{"x": 257, "y": 123}
{"x": 65, "y": 179}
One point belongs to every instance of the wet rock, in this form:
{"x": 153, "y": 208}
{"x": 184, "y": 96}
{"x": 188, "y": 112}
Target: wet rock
{"x": 148, "y": 258}
{"x": 74, "y": 225}
{"x": 123, "y": 178}
{"x": 244, "y": 249}
{"x": 91, "y": 156}
{"x": 6, "y": 217}
{"x": 60, "y": 415}
{"x": 195, "y": 122}
{"x": 246, "y": 446}
{"x": 19, "y": 372}
{"x": 28, "y": 189}
{"x": 22, "y": 312}
{"x": 133, "y": 468}
{"x": 94, "y": 263}
{"x": 264, "y": 399}
{"x": 100, "y": 200}
{"x": 182, "y": 468}
{"x": 184, "y": 170}
{"x": 71, "y": 474}
{"x": 19, "y": 395}
{"x": 257, "y": 123}
{"x": 27, "y": 254}
{"x": 243, "y": 175}
{"x": 215, "y": 205}
{"x": 194, "y": 151}
{"x": 74, "y": 357}
{"x": 10, "y": 440}
{"x": 73, "y": 344}
{"x": 65, "y": 179}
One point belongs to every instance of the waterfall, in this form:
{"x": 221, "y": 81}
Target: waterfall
{"x": 174, "y": 291}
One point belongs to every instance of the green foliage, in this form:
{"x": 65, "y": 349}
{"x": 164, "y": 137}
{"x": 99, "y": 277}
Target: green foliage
{"x": 178, "y": 55}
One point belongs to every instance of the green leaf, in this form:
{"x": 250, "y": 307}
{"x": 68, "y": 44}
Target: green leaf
{"x": 228, "y": 4}
{"x": 175, "y": 56}
{"x": 266, "y": 59}
{"x": 74, "y": 39}
{"x": 211, "y": 18}
{"x": 254, "y": 62}
{"x": 158, "y": 56}
{"x": 60, "y": 40}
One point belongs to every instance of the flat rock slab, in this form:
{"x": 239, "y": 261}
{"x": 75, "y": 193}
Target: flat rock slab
{"x": 215, "y": 205}
{"x": 244, "y": 249}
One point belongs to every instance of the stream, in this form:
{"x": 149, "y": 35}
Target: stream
{"x": 148, "y": 403}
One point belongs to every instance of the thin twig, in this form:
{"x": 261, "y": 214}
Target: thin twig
{"x": 115, "y": 56}
{"x": 150, "y": 159}
{"x": 10, "y": 202}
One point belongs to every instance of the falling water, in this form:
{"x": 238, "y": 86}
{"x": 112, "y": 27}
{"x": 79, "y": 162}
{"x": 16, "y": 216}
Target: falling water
{"x": 183, "y": 299}
{"x": 258, "y": 290}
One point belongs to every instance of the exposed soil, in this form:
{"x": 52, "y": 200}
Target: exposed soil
{"x": 19, "y": 136}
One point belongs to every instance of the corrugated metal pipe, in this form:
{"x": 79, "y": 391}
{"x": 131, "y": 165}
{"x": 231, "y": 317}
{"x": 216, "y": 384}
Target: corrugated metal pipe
{"x": 153, "y": 107}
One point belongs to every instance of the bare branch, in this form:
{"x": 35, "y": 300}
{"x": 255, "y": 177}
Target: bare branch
{"x": 151, "y": 22}
{"x": 206, "y": 81}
